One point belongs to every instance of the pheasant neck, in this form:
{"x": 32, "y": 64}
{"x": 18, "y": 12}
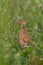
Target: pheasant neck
{"x": 22, "y": 26}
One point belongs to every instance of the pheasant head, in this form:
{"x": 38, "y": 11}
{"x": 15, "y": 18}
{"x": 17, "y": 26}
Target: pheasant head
{"x": 22, "y": 23}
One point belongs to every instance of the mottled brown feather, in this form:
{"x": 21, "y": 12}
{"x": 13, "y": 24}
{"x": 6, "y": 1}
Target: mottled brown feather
{"x": 24, "y": 37}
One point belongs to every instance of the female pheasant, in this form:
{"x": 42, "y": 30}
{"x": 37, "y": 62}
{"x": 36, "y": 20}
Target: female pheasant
{"x": 24, "y": 37}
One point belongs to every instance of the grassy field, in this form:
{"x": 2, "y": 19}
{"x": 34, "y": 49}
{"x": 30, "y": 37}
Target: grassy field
{"x": 10, "y": 12}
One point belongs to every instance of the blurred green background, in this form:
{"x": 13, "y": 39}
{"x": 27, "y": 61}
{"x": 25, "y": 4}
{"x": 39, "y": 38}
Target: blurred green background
{"x": 10, "y": 12}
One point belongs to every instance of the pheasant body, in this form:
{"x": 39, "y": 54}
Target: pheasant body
{"x": 24, "y": 37}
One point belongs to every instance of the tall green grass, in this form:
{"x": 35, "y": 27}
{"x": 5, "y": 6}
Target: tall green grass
{"x": 10, "y": 12}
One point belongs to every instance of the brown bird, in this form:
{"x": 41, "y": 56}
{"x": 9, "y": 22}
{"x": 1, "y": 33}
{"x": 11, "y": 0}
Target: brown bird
{"x": 24, "y": 37}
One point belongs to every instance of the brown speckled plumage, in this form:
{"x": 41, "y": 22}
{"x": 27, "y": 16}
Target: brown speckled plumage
{"x": 24, "y": 37}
